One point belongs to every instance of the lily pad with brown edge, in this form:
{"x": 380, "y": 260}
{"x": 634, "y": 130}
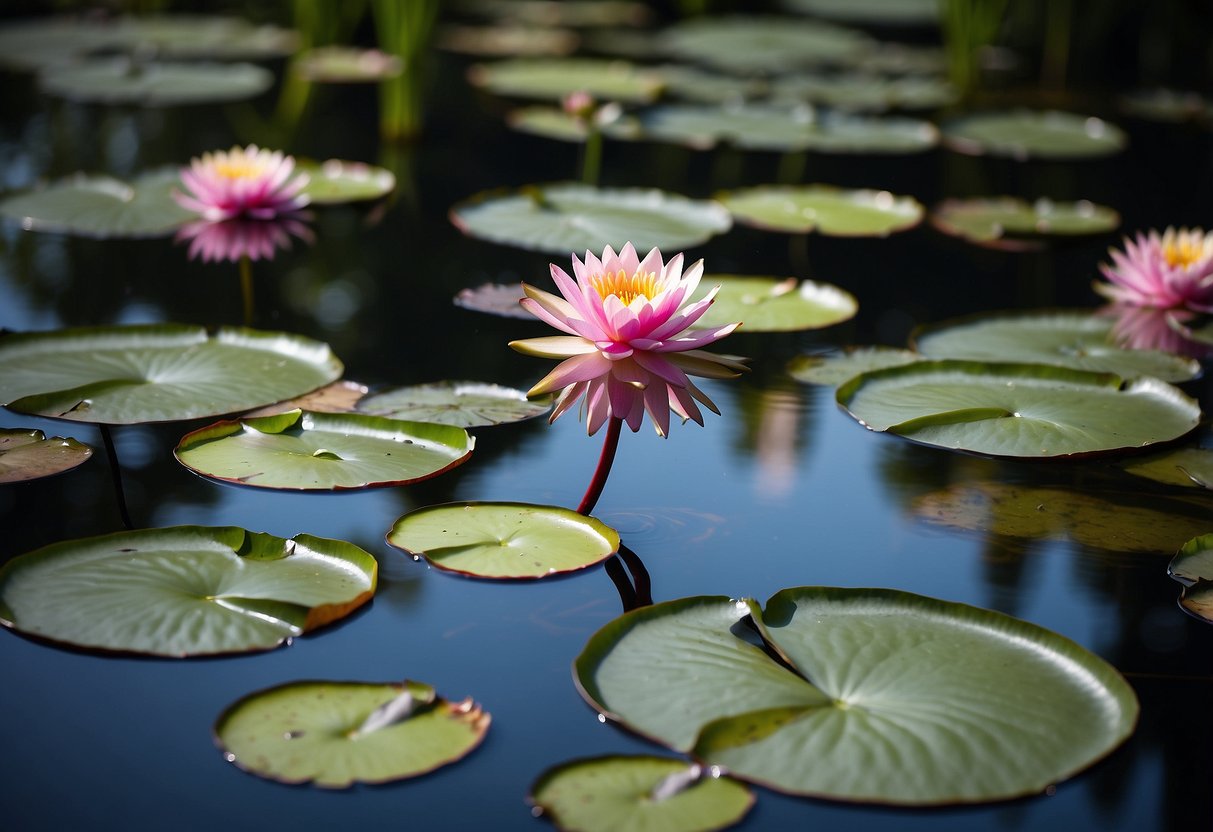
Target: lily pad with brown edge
{"x": 987, "y": 707}
{"x": 183, "y": 591}
{"x": 30, "y": 455}
{"x": 465, "y": 404}
{"x": 1188, "y": 467}
{"x": 603, "y": 794}
{"x": 301, "y": 450}
{"x": 1192, "y": 566}
{"x": 1034, "y": 134}
{"x": 339, "y": 397}
{"x": 122, "y": 81}
{"x": 1014, "y": 224}
{"x": 504, "y": 540}
{"x": 156, "y": 372}
{"x": 832, "y": 369}
{"x": 335, "y": 181}
{"x": 494, "y": 299}
{"x": 553, "y": 123}
{"x": 772, "y": 304}
{"x": 346, "y": 65}
{"x": 752, "y": 44}
{"x": 102, "y": 207}
{"x": 554, "y": 78}
{"x": 336, "y": 734}
{"x": 835, "y": 212}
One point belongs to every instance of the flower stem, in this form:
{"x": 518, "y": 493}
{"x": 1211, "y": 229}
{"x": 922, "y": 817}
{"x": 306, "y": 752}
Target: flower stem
{"x": 246, "y": 289}
{"x": 111, "y": 454}
{"x": 609, "y": 444}
{"x": 591, "y": 156}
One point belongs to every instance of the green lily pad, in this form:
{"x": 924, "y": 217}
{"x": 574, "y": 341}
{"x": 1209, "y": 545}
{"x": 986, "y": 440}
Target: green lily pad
{"x": 1188, "y": 467}
{"x": 1015, "y": 224}
{"x": 833, "y": 369}
{"x": 1076, "y": 339}
{"x": 1026, "y": 134}
{"x": 771, "y": 304}
{"x": 346, "y": 65}
{"x": 1024, "y": 709}
{"x": 825, "y": 209}
{"x": 1193, "y": 567}
{"x": 866, "y": 91}
{"x": 604, "y": 794}
{"x": 554, "y": 78}
{"x": 334, "y": 181}
{"x": 156, "y": 373}
{"x": 568, "y": 217}
{"x": 123, "y": 81}
{"x": 100, "y": 206}
{"x": 745, "y": 45}
{"x": 507, "y": 40}
{"x": 466, "y": 404}
{"x": 504, "y": 540}
{"x": 1018, "y": 410}
{"x": 694, "y": 84}
{"x": 184, "y": 591}
{"x": 553, "y": 123}
{"x": 304, "y": 451}
{"x": 1166, "y": 105}
{"x": 880, "y": 12}
{"x": 29, "y": 455}
{"x": 495, "y": 299}
{"x": 336, "y": 734}
{"x": 575, "y": 13}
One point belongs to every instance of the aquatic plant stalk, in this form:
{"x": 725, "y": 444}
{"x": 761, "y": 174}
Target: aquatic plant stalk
{"x": 591, "y": 155}
{"x": 968, "y": 25}
{"x": 403, "y": 28}
{"x": 111, "y": 454}
{"x": 605, "y": 460}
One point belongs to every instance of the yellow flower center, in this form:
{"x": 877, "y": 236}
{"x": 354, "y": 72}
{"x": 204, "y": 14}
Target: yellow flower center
{"x": 627, "y": 289}
{"x": 239, "y": 168}
{"x": 1183, "y": 251}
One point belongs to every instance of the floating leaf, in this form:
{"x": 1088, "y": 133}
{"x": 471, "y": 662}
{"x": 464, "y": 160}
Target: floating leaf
{"x": 762, "y": 44}
{"x": 1024, "y": 709}
{"x": 1012, "y": 223}
{"x": 693, "y": 84}
{"x": 822, "y": 208}
{"x": 1166, "y": 105}
{"x": 507, "y": 41}
{"x": 612, "y": 793}
{"x": 769, "y": 304}
{"x": 879, "y": 12}
{"x": 183, "y": 591}
{"x": 1193, "y": 567}
{"x": 1018, "y": 410}
{"x": 346, "y": 65}
{"x": 554, "y": 78}
{"x": 336, "y": 734}
{"x": 466, "y": 404}
{"x": 834, "y": 369}
{"x": 495, "y": 299}
{"x": 156, "y": 373}
{"x": 304, "y": 451}
{"x": 1189, "y": 467}
{"x": 504, "y": 540}
{"x": 339, "y": 397}
{"x": 99, "y": 206}
{"x": 29, "y": 455}
{"x": 552, "y": 123}
{"x": 335, "y": 181}
{"x": 123, "y": 81}
{"x": 1024, "y": 134}
{"x": 567, "y": 217}
{"x": 866, "y": 91}
{"x": 574, "y": 13}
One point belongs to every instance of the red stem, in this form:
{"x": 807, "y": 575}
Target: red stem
{"x": 609, "y": 444}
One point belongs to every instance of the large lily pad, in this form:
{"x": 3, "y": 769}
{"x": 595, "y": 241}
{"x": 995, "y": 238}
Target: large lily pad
{"x": 771, "y": 304}
{"x": 605, "y": 794}
{"x": 466, "y": 404}
{"x": 762, "y": 44}
{"x": 1024, "y": 134}
{"x": 567, "y": 217}
{"x": 986, "y": 707}
{"x": 335, "y": 181}
{"x": 305, "y": 451}
{"x": 833, "y": 369}
{"x": 866, "y": 91}
{"x": 336, "y": 734}
{"x": 156, "y": 373}
{"x": 554, "y": 78}
{"x": 100, "y": 206}
{"x": 1063, "y": 338}
{"x": 825, "y": 209}
{"x": 1012, "y": 223}
{"x": 504, "y": 540}
{"x": 184, "y": 591}
{"x": 30, "y": 455}
{"x": 1193, "y": 567}
{"x": 1018, "y": 410}
{"x": 124, "y": 81}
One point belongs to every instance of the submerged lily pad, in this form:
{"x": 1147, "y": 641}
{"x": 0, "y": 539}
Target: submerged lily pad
{"x": 466, "y": 404}
{"x": 834, "y": 369}
{"x": 156, "y": 373}
{"x": 335, "y": 181}
{"x": 567, "y": 217}
{"x": 123, "y": 81}
{"x": 762, "y": 44}
{"x": 1023, "y": 710}
{"x": 100, "y": 206}
{"x": 336, "y": 734}
{"x": 305, "y": 451}
{"x": 29, "y": 455}
{"x": 822, "y": 208}
{"x": 1077, "y": 339}
{"x": 346, "y": 65}
{"x": 504, "y": 540}
{"x": 184, "y": 591}
{"x": 1018, "y": 410}
{"x": 495, "y": 299}
{"x": 771, "y": 304}
{"x": 1193, "y": 567}
{"x": 1015, "y": 224}
{"x": 604, "y": 794}
{"x": 880, "y": 12}
{"x": 554, "y": 78}
{"x": 1188, "y": 467}
{"x": 1024, "y": 134}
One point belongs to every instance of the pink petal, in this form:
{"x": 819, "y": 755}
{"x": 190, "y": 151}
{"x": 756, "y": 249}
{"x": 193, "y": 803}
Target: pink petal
{"x": 553, "y": 346}
{"x": 572, "y": 370}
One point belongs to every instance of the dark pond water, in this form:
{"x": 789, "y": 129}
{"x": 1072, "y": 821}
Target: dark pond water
{"x": 782, "y": 490}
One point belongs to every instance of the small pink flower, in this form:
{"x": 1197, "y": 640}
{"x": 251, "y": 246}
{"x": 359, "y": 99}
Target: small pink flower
{"x": 239, "y": 238}
{"x": 247, "y": 182}
{"x": 628, "y": 350}
{"x": 1174, "y": 269}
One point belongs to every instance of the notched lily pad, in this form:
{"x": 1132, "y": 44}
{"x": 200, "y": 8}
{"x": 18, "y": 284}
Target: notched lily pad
{"x": 124, "y": 81}
{"x": 466, "y": 404}
{"x": 30, "y": 455}
{"x": 184, "y": 591}
{"x": 1193, "y": 567}
{"x": 346, "y": 65}
{"x": 100, "y": 206}
{"x": 771, "y": 304}
{"x": 504, "y": 540}
{"x": 336, "y": 734}
{"x": 335, "y": 181}
{"x": 1014, "y": 224}
{"x": 494, "y": 299}
{"x": 1026, "y": 134}
{"x": 554, "y": 78}
{"x": 832, "y": 369}
{"x": 827, "y": 210}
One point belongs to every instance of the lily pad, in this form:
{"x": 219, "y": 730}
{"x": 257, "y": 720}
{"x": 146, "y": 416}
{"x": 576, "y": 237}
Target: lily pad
{"x": 694, "y": 84}
{"x": 746, "y": 45}
{"x": 771, "y": 304}
{"x": 507, "y": 40}
{"x": 879, "y": 12}
{"x": 334, "y": 181}
{"x": 123, "y": 81}
{"x": 29, "y": 455}
{"x": 1076, "y": 339}
{"x": 339, "y": 397}
{"x": 1026, "y": 134}
{"x": 1188, "y": 467}
{"x": 604, "y": 794}
{"x": 466, "y": 404}
{"x": 304, "y": 451}
{"x": 1193, "y": 567}
{"x": 1018, "y": 410}
{"x": 100, "y": 206}
{"x": 504, "y": 540}
{"x": 825, "y": 209}
{"x": 1012, "y": 223}
{"x": 575, "y": 13}
{"x": 1023, "y": 710}
{"x": 346, "y": 65}
{"x": 1166, "y": 105}
{"x": 184, "y": 591}
{"x": 554, "y": 78}
{"x": 336, "y": 734}
{"x": 866, "y": 91}
{"x": 568, "y": 217}
{"x": 553, "y": 123}
{"x": 156, "y": 373}
{"x": 495, "y": 299}
{"x": 833, "y": 369}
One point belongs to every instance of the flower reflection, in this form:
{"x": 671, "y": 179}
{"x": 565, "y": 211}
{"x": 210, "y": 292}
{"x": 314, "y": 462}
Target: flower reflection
{"x": 236, "y": 239}
{"x": 242, "y": 182}
{"x": 1174, "y": 269}
{"x": 1151, "y": 328}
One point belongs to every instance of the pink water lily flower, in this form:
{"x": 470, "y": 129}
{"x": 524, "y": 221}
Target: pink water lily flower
{"x": 242, "y": 182}
{"x": 1174, "y": 269}
{"x": 628, "y": 350}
